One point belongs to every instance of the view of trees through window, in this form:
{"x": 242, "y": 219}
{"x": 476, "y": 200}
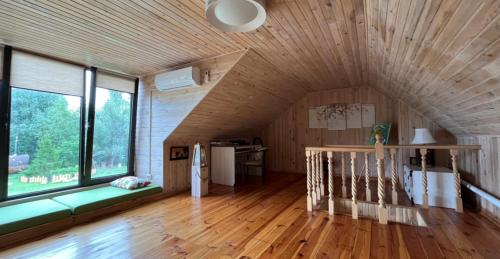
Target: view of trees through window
{"x": 44, "y": 151}
{"x": 111, "y": 133}
{"x": 44, "y": 141}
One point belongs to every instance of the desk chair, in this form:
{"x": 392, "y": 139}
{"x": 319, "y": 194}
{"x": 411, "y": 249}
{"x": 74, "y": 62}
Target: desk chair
{"x": 256, "y": 159}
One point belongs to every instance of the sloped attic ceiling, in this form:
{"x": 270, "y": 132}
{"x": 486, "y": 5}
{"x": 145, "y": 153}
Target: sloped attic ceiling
{"x": 441, "y": 56}
{"x": 248, "y": 97}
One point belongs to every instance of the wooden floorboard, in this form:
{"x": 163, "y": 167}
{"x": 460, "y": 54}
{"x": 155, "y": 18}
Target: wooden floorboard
{"x": 270, "y": 221}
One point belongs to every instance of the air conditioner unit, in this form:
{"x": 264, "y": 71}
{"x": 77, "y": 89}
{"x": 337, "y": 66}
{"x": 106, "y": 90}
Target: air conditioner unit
{"x": 185, "y": 77}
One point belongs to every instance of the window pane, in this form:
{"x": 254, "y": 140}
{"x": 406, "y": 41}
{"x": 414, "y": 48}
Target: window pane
{"x": 111, "y": 133}
{"x": 44, "y": 141}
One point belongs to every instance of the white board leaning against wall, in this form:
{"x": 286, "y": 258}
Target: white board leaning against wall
{"x": 199, "y": 172}
{"x": 337, "y": 117}
{"x": 353, "y": 115}
{"x": 368, "y": 115}
{"x": 317, "y": 117}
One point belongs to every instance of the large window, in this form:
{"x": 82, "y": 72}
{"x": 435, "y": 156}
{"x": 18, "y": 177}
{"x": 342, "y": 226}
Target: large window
{"x": 112, "y": 125}
{"x": 68, "y": 126}
{"x": 44, "y": 149}
{"x": 44, "y": 139}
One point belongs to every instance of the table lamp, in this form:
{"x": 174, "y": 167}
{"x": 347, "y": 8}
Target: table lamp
{"x": 423, "y": 136}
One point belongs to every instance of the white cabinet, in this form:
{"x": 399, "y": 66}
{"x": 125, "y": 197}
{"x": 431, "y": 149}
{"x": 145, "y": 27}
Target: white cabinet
{"x": 440, "y": 186}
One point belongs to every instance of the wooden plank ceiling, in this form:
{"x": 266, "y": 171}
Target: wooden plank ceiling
{"x": 245, "y": 99}
{"x": 440, "y": 56}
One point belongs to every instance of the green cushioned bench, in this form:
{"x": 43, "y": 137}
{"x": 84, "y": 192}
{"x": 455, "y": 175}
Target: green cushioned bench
{"x": 90, "y": 200}
{"x": 25, "y": 215}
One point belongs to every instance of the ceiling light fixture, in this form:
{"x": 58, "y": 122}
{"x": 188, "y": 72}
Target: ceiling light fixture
{"x": 236, "y": 15}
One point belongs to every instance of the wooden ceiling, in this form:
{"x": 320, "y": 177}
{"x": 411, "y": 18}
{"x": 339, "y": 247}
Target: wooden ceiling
{"x": 440, "y": 56}
{"x": 248, "y": 97}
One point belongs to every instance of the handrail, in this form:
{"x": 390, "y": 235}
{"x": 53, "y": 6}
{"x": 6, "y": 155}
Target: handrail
{"x": 342, "y": 149}
{"x": 494, "y": 200}
{"x": 410, "y": 146}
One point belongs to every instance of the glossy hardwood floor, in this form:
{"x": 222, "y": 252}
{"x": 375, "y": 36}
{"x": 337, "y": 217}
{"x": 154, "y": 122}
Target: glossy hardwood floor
{"x": 268, "y": 221}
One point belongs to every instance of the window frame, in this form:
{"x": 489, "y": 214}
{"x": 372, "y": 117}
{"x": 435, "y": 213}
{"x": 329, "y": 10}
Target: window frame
{"x": 87, "y": 119}
{"x": 88, "y": 180}
{"x": 82, "y": 133}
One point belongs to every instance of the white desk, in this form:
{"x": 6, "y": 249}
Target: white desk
{"x": 225, "y": 161}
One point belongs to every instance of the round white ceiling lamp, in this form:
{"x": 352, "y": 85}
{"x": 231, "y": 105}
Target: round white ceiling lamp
{"x": 236, "y": 15}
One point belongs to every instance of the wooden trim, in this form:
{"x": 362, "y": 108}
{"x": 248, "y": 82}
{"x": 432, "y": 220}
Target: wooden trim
{"x": 402, "y": 146}
{"x": 341, "y": 149}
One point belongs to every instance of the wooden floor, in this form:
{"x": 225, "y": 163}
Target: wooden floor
{"x": 268, "y": 222}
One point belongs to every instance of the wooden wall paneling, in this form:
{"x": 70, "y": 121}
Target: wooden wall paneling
{"x": 284, "y": 148}
{"x": 249, "y": 96}
{"x": 482, "y": 169}
{"x": 168, "y": 109}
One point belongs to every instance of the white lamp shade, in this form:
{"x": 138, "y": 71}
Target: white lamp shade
{"x": 423, "y": 136}
{"x": 236, "y": 15}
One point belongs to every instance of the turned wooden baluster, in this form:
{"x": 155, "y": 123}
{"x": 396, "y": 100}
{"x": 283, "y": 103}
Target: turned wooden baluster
{"x": 313, "y": 178}
{"x": 394, "y": 176}
{"x": 309, "y": 181}
{"x": 344, "y": 188}
{"x": 353, "y": 186}
{"x": 379, "y": 153}
{"x": 367, "y": 178}
{"x": 331, "y": 204}
{"x": 456, "y": 174}
{"x": 318, "y": 173}
{"x": 321, "y": 184}
{"x": 425, "y": 191}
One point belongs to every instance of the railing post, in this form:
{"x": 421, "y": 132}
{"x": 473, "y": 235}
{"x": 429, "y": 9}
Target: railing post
{"x": 321, "y": 185}
{"x": 331, "y": 204}
{"x": 353, "y": 186}
{"x": 379, "y": 153}
{"x": 309, "y": 182}
{"x": 313, "y": 178}
{"x": 425, "y": 192}
{"x": 318, "y": 173}
{"x": 458, "y": 192}
{"x": 344, "y": 188}
{"x": 367, "y": 178}
{"x": 394, "y": 176}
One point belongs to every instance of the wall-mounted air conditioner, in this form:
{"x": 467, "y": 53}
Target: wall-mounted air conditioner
{"x": 189, "y": 76}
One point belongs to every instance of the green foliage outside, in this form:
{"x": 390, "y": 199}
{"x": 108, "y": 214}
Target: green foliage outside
{"x": 48, "y": 131}
{"x": 45, "y": 129}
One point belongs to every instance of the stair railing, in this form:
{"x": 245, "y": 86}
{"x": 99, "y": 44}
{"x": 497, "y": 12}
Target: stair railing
{"x": 315, "y": 178}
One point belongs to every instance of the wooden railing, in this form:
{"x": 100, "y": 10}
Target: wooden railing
{"x": 315, "y": 182}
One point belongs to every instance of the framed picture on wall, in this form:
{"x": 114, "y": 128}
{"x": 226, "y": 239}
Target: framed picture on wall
{"x": 380, "y": 128}
{"x": 179, "y": 153}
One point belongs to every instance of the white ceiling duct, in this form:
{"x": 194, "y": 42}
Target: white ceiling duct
{"x": 236, "y": 15}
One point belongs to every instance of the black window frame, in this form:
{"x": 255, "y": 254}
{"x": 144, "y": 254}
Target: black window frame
{"x": 88, "y": 180}
{"x": 87, "y": 118}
